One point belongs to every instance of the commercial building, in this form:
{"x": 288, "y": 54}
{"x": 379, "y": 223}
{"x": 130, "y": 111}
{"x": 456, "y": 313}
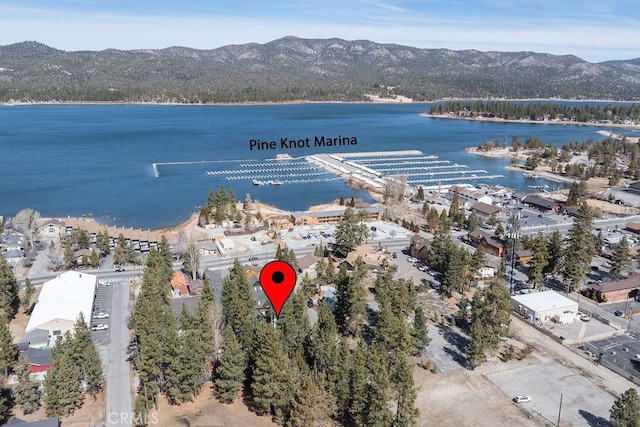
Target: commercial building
{"x": 618, "y": 290}
{"x": 61, "y": 301}
{"x": 470, "y": 196}
{"x": 334, "y": 216}
{"x": 619, "y": 353}
{"x": 540, "y": 307}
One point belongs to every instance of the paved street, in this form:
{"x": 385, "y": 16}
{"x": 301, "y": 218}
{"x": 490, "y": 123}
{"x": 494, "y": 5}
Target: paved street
{"x": 119, "y": 382}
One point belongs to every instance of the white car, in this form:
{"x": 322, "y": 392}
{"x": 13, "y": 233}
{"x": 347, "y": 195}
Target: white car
{"x": 584, "y": 317}
{"x": 101, "y": 316}
{"x": 521, "y": 398}
{"x": 100, "y": 327}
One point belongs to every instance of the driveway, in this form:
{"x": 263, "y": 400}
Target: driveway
{"x": 119, "y": 407}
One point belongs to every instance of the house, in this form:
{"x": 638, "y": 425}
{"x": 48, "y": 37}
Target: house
{"x": 251, "y": 271}
{"x": 333, "y": 216}
{"x": 306, "y": 262}
{"x": 195, "y": 287}
{"x": 541, "y": 204}
{"x": 490, "y": 243}
{"x": 419, "y": 247}
{"x": 39, "y": 359}
{"x": 523, "y": 256}
{"x": 209, "y": 248}
{"x": 14, "y": 256}
{"x": 12, "y": 242}
{"x": 539, "y": 307}
{"x": 84, "y": 256}
{"x": 486, "y": 272}
{"x": 53, "y": 227}
{"x": 484, "y": 210}
{"x": 179, "y": 285}
{"x": 617, "y": 290}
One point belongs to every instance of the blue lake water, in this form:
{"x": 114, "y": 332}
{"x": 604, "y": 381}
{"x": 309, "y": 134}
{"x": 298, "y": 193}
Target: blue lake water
{"x": 96, "y": 160}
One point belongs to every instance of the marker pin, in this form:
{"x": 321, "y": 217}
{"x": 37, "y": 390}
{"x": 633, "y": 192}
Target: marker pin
{"x": 277, "y": 279}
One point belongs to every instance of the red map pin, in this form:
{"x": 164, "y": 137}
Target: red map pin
{"x": 277, "y": 280}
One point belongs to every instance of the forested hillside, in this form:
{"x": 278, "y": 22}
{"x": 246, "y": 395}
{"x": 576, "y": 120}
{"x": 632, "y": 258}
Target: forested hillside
{"x": 291, "y": 69}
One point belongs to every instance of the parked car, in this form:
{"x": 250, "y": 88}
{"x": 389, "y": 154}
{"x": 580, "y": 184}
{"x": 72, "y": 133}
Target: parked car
{"x": 521, "y": 398}
{"x": 119, "y": 270}
{"x": 584, "y": 318}
{"x": 101, "y": 316}
{"x": 100, "y": 327}
{"x": 104, "y": 283}
{"x": 618, "y": 313}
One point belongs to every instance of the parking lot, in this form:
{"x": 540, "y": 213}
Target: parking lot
{"x": 101, "y": 309}
{"x": 545, "y": 382}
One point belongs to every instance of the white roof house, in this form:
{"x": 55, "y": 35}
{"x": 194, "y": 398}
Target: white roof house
{"x": 542, "y": 306}
{"x": 61, "y": 301}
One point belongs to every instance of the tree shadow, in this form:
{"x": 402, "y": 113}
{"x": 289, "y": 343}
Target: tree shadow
{"x": 453, "y": 337}
{"x": 593, "y": 420}
{"x": 457, "y": 357}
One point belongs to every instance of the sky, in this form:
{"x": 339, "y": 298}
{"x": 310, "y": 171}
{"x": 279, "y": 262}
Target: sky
{"x": 595, "y": 30}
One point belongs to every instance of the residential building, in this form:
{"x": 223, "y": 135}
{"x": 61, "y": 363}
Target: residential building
{"x": 489, "y": 242}
{"x": 47, "y": 422}
{"x": 419, "y": 247}
{"x": 179, "y": 285}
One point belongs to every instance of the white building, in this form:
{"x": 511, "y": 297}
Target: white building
{"x": 61, "y": 301}
{"x": 470, "y": 196}
{"x": 543, "y": 306}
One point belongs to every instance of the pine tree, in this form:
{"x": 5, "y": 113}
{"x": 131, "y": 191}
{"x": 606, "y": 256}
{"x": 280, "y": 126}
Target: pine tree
{"x": 293, "y": 323}
{"x": 350, "y": 231}
{"x": 420, "y": 332}
{"x": 238, "y": 304}
{"x": 420, "y": 194}
{"x": 405, "y": 394}
{"x": 350, "y": 306}
{"x": 378, "y": 413}
{"x": 85, "y": 354}
{"x": 625, "y": 411}
{"x": 271, "y": 383}
{"x": 475, "y": 348}
{"x": 539, "y": 261}
{"x": 183, "y": 373}
{"x": 229, "y": 372}
{"x": 338, "y": 379}
{"x": 580, "y": 249}
{"x": 5, "y": 406}
{"x": 8, "y": 351}
{"x": 63, "y": 383}
{"x": 204, "y": 330}
{"x": 554, "y": 252}
{"x": 27, "y": 391}
{"x": 620, "y": 259}
{"x": 311, "y": 405}
{"x": 358, "y": 403}
{"x": 26, "y": 298}
{"x": 8, "y": 289}
{"x": 321, "y": 345}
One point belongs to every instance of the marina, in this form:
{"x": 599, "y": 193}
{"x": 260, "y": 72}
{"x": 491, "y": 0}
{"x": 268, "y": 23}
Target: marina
{"x": 370, "y": 170}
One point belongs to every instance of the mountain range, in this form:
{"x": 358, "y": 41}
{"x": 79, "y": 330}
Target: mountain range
{"x": 292, "y": 68}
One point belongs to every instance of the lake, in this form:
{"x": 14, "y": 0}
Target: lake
{"x": 97, "y": 160}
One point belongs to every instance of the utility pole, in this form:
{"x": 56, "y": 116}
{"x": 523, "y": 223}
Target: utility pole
{"x": 513, "y": 233}
{"x": 559, "y": 411}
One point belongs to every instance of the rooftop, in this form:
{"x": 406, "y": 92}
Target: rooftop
{"x": 541, "y": 301}
{"x": 64, "y": 298}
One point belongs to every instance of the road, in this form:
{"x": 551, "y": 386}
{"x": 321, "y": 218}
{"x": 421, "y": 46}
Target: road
{"x": 119, "y": 407}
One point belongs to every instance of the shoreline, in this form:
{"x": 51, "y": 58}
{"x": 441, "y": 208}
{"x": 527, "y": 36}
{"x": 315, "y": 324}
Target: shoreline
{"x": 302, "y": 101}
{"x": 533, "y": 122}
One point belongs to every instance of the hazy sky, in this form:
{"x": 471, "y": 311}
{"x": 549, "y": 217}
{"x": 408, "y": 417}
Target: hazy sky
{"x": 596, "y": 30}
